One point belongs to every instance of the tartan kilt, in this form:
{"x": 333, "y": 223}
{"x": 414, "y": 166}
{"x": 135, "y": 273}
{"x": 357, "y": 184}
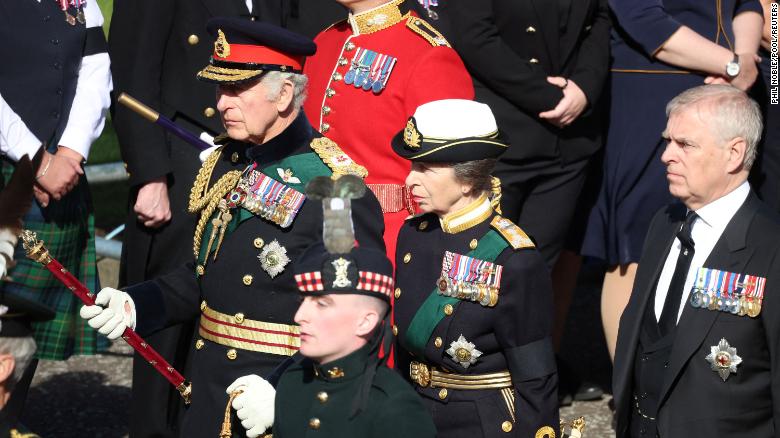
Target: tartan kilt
{"x": 68, "y": 230}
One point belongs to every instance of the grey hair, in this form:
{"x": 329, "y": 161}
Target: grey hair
{"x": 273, "y": 81}
{"x": 475, "y": 173}
{"x": 732, "y": 114}
{"x": 23, "y": 350}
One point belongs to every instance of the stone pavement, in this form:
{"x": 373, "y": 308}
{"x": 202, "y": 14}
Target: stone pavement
{"x": 89, "y": 396}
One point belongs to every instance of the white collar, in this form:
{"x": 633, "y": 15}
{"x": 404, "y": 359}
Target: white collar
{"x": 718, "y": 213}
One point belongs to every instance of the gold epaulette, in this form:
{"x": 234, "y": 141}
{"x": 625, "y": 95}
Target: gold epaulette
{"x": 204, "y": 199}
{"x": 221, "y": 139}
{"x": 427, "y": 31}
{"x": 335, "y": 158}
{"x": 512, "y": 233}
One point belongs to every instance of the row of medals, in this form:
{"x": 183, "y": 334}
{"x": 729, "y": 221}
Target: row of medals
{"x": 737, "y": 304}
{"x": 472, "y": 291}
{"x": 70, "y": 19}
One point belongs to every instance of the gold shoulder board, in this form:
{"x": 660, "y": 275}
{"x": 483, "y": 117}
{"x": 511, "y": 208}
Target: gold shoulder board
{"x": 425, "y": 30}
{"x": 338, "y": 161}
{"x": 512, "y": 233}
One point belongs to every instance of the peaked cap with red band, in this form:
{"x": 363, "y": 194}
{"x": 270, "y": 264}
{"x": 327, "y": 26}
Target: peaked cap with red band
{"x": 244, "y": 49}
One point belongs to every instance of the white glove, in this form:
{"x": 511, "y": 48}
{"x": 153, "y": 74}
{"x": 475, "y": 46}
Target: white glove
{"x": 113, "y": 319}
{"x": 8, "y": 241}
{"x": 206, "y": 152}
{"x": 255, "y": 406}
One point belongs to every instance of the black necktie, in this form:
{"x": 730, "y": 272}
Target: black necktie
{"x": 668, "y": 319}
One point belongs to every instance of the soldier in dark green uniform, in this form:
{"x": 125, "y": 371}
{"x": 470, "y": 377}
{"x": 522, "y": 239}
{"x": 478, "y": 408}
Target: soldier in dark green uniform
{"x": 255, "y": 220}
{"x": 338, "y": 387}
{"x": 473, "y": 303}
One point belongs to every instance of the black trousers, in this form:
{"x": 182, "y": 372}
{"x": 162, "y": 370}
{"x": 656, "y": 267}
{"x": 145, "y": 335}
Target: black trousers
{"x": 542, "y": 197}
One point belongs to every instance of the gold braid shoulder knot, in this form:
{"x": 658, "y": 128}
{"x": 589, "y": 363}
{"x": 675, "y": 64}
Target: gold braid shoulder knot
{"x": 495, "y": 199}
{"x": 204, "y": 199}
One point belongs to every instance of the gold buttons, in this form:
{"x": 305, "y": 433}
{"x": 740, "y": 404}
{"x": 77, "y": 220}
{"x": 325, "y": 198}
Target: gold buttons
{"x": 209, "y": 112}
{"x": 322, "y": 396}
{"x": 325, "y": 127}
{"x": 234, "y": 157}
{"x": 247, "y": 279}
{"x": 337, "y": 76}
{"x": 314, "y": 423}
{"x": 203, "y": 305}
{"x": 530, "y": 29}
{"x": 395, "y": 330}
{"x": 325, "y": 110}
{"x": 232, "y": 354}
{"x": 193, "y": 39}
{"x": 448, "y": 309}
{"x": 407, "y": 257}
{"x": 258, "y": 242}
{"x": 239, "y": 318}
{"x": 199, "y": 344}
{"x": 330, "y": 92}
{"x": 343, "y": 61}
{"x": 506, "y": 426}
{"x": 397, "y": 293}
{"x": 200, "y": 270}
{"x": 349, "y": 46}
{"x": 437, "y": 342}
{"x": 473, "y": 244}
{"x": 533, "y": 61}
{"x": 423, "y": 225}
{"x": 443, "y": 394}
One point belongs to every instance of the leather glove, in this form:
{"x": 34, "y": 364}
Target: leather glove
{"x": 113, "y": 311}
{"x": 255, "y": 406}
{"x": 7, "y": 244}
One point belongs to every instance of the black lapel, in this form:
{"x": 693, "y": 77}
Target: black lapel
{"x": 579, "y": 11}
{"x": 656, "y": 249}
{"x": 729, "y": 254}
{"x": 547, "y": 11}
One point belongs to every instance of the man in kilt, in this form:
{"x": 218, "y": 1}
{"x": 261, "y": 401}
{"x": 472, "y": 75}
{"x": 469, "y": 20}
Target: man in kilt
{"x": 61, "y": 55}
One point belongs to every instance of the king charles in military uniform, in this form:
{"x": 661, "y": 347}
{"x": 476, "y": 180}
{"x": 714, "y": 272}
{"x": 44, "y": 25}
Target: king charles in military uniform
{"x": 254, "y": 220}
{"x": 370, "y": 73}
{"x": 473, "y": 299}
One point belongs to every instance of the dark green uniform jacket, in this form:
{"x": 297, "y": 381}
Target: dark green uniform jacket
{"x": 316, "y": 400}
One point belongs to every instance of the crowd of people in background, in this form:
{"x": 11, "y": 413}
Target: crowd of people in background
{"x": 521, "y": 139}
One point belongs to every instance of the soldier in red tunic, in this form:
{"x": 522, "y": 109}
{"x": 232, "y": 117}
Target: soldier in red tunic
{"x": 371, "y": 71}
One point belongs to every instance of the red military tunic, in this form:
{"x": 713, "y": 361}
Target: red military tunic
{"x": 363, "y": 121}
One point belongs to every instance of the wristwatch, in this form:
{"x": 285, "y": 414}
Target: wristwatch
{"x": 732, "y": 68}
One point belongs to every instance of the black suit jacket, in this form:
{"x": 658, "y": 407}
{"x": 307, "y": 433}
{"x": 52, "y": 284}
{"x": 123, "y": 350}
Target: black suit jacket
{"x": 695, "y": 402}
{"x": 511, "y": 46}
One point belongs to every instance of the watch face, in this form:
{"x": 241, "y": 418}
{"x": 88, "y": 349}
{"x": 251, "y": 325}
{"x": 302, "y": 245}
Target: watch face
{"x": 732, "y": 69}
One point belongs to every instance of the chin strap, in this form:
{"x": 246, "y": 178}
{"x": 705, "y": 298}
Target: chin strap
{"x": 495, "y": 200}
{"x": 382, "y": 336}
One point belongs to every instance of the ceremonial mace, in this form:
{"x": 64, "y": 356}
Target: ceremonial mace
{"x": 159, "y": 119}
{"x": 37, "y": 252}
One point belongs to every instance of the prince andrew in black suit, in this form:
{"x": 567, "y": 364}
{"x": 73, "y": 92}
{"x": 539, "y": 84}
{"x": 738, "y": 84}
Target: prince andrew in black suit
{"x": 698, "y": 349}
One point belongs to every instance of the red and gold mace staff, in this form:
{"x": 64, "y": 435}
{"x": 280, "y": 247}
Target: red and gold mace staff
{"x": 38, "y": 252}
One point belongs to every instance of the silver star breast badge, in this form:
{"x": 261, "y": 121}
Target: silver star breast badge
{"x": 273, "y": 258}
{"x": 723, "y": 359}
{"x": 464, "y": 352}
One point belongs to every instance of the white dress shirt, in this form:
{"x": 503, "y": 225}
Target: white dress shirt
{"x": 710, "y": 222}
{"x": 88, "y": 110}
